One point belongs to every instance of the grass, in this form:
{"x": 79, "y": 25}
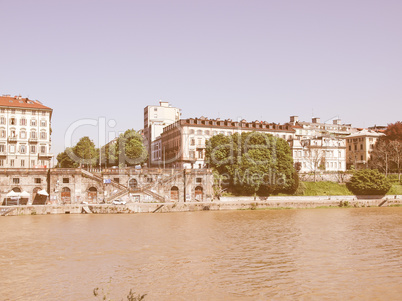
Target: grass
{"x": 395, "y": 189}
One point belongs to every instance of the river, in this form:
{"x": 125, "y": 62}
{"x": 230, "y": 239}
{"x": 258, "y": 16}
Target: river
{"x": 306, "y": 254}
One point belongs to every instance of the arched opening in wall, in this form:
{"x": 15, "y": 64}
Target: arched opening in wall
{"x": 174, "y": 193}
{"x": 133, "y": 184}
{"x": 199, "y": 195}
{"x": 66, "y": 195}
{"x": 92, "y": 195}
{"x": 17, "y": 189}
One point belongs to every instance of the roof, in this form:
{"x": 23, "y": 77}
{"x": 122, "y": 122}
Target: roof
{"x": 365, "y": 132}
{"x": 19, "y": 102}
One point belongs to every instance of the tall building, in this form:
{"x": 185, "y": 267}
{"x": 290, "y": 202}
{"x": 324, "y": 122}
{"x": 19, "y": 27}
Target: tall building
{"x": 25, "y": 131}
{"x": 155, "y": 119}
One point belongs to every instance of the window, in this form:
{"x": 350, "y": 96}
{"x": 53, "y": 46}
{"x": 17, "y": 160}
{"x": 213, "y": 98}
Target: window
{"x": 43, "y": 123}
{"x": 192, "y": 154}
{"x": 12, "y": 162}
{"x": 198, "y": 180}
{"x": 33, "y": 112}
{"x": 117, "y": 180}
{"x": 12, "y": 148}
{"x": 192, "y": 142}
{"x": 23, "y": 135}
{"x": 361, "y": 146}
{"x": 23, "y": 112}
{"x": 350, "y": 147}
{"x": 23, "y": 121}
{"x": 32, "y": 163}
{"x": 2, "y": 148}
{"x": 199, "y": 132}
{"x": 33, "y": 149}
{"x": 3, "y": 110}
{"x": 38, "y": 180}
{"x": 23, "y": 149}
{"x": 3, "y": 133}
{"x": 33, "y": 122}
{"x": 43, "y": 149}
{"x": 207, "y": 133}
{"x": 16, "y": 180}
{"x": 200, "y": 155}
{"x": 12, "y": 111}
{"x": 43, "y": 113}
{"x": 13, "y": 121}
{"x": 22, "y": 163}
{"x": 191, "y": 132}
{"x": 361, "y": 157}
{"x": 66, "y": 180}
{"x": 43, "y": 135}
{"x": 149, "y": 180}
{"x": 2, "y": 120}
{"x": 1, "y": 163}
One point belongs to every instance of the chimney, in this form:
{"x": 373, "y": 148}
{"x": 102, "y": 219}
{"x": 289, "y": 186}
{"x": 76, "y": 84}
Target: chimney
{"x": 294, "y": 119}
{"x": 316, "y": 120}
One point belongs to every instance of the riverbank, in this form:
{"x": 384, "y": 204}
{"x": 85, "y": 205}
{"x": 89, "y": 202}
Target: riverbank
{"x": 238, "y": 203}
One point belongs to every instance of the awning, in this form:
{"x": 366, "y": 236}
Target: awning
{"x": 12, "y": 193}
{"x": 24, "y": 194}
{"x": 43, "y": 192}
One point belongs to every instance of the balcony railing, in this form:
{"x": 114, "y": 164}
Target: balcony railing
{"x": 33, "y": 140}
{"x": 12, "y": 138}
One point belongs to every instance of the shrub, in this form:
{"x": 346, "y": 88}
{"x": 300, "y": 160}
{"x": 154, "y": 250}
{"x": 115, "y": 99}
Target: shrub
{"x": 368, "y": 182}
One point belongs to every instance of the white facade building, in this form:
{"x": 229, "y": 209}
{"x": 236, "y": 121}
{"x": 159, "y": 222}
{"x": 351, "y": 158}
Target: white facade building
{"x": 155, "y": 119}
{"x": 183, "y": 143}
{"x": 320, "y": 146}
{"x": 25, "y": 131}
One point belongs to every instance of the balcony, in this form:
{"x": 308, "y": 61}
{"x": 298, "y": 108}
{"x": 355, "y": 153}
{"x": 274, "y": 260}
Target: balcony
{"x": 12, "y": 139}
{"x": 45, "y": 156}
{"x": 33, "y": 140}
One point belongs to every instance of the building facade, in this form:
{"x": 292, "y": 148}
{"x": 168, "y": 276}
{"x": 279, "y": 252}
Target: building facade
{"x": 25, "y": 129}
{"x": 156, "y": 118}
{"x": 183, "y": 143}
{"x": 320, "y": 146}
{"x": 359, "y": 147}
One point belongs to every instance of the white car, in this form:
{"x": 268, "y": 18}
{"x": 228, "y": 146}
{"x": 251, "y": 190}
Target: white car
{"x": 119, "y": 202}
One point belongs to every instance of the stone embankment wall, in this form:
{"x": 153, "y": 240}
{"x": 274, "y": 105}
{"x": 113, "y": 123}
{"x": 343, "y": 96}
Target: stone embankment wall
{"x": 234, "y": 204}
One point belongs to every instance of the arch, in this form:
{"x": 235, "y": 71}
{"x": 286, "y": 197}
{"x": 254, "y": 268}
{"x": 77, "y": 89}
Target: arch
{"x": 199, "y": 193}
{"x": 66, "y": 195}
{"x": 92, "y": 195}
{"x": 174, "y": 193}
{"x": 133, "y": 183}
{"x": 16, "y": 189}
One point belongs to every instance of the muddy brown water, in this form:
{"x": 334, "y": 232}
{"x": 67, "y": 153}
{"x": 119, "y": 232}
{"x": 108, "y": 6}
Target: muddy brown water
{"x": 307, "y": 254}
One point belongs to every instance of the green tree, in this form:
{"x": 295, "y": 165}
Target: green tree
{"x": 368, "y": 182}
{"x": 131, "y": 146}
{"x": 86, "y": 152}
{"x": 255, "y": 163}
{"x": 64, "y": 160}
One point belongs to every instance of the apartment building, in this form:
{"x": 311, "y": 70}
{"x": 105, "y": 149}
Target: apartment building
{"x": 182, "y": 144}
{"x": 156, "y": 118}
{"x": 359, "y": 146}
{"x": 320, "y": 146}
{"x": 25, "y": 129}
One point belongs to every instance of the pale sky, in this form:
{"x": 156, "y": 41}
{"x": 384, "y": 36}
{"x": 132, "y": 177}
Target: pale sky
{"x": 258, "y": 60}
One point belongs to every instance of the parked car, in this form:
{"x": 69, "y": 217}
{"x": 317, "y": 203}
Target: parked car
{"x": 119, "y": 202}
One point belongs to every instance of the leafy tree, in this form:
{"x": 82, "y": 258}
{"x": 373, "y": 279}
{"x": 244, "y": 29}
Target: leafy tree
{"x": 131, "y": 146}
{"x": 394, "y": 131}
{"x": 387, "y": 153}
{"x": 64, "y": 160}
{"x": 368, "y": 182}
{"x": 255, "y": 163}
{"x": 86, "y": 152}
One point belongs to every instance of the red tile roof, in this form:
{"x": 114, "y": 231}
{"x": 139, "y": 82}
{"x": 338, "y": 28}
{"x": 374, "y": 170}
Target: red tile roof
{"x": 19, "y": 102}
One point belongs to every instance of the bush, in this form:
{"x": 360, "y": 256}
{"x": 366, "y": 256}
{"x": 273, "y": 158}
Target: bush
{"x": 368, "y": 182}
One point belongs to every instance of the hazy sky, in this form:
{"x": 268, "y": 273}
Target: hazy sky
{"x": 259, "y": 60}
